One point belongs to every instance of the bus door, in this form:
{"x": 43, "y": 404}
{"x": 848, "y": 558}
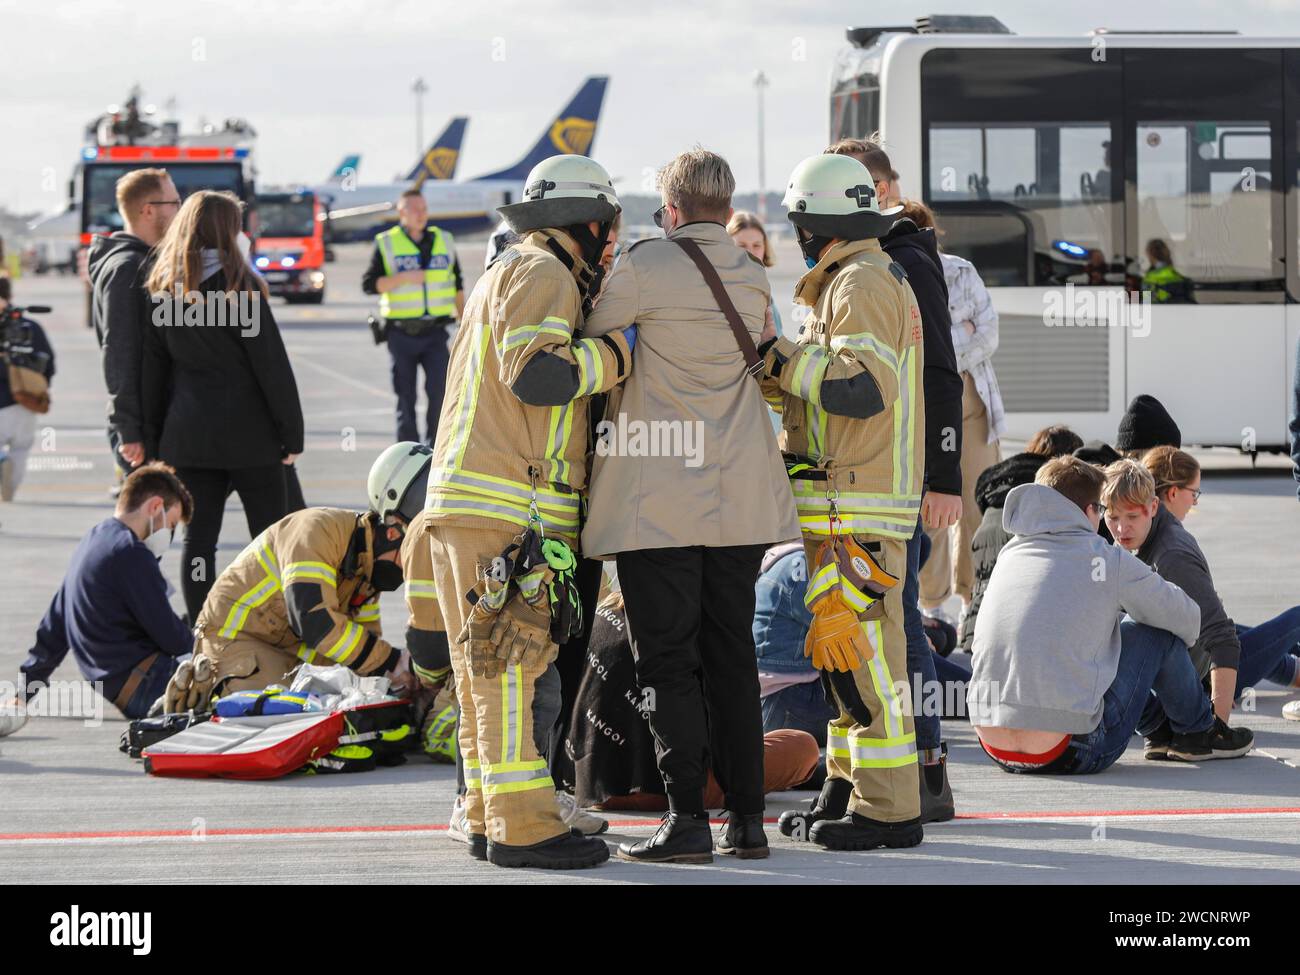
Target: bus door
{"x": 1205, "y": 239}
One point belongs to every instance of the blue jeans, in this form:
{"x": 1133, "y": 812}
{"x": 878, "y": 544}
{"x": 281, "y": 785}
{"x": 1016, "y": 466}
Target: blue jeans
{"x": 920, "y": 658}
{"x": 1267, "y": 650}
{"x": 802, "y": 707}
{"x": 407, "y": 354}
{"x": 1149, "y": 660}
{"x": 1295, "y": 419}
{"x": 152, "y": 687}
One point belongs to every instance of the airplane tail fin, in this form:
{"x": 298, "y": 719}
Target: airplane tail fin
{"x": 439, "y": 160}
{"x": 348, "y": 166}
{"x": 572, "y": 131}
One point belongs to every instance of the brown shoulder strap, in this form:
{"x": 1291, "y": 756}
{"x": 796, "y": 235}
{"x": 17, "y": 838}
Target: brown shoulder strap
{"x": 753, "y": 364}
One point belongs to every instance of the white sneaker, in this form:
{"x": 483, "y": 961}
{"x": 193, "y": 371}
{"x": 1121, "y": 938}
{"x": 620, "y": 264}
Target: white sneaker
{"x": 456, "y": 825}
{"x": 584, "y": 822}
{"x": 1291, "y": 711}
{"x": 12, "y": 717}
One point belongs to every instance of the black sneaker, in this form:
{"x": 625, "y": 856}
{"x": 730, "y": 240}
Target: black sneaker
{"x": 1155, "y": 746}
{"x": 680, "y": 838}
{"x": 855, "y": 832}
{"x": 833, "y": 803}
{"x": 743, "y": 838}
{"x": 1221, "y": 741}
{"x": 569, "y": 851}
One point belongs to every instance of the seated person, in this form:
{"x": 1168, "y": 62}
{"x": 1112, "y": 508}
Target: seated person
{"x": 112, "y": 610}
{"x": 1060, "y": 681}
{"x": 991, "y": 491}
{"x": 609, "y": 740}
{"x": 1146, "y": 514}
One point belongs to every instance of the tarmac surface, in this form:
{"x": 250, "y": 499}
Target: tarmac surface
{"x": 75, "y": 810}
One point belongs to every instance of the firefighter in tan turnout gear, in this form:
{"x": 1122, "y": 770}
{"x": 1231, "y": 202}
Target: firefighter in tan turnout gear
{"x": 504, "y": 499}
{"x": 307, "y": 589}
{"x": 851, "y": 401}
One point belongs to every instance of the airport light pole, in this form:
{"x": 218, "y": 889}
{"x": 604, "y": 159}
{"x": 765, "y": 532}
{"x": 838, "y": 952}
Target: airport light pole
{"x": 418, "y": 88}
{"x": 761, "y": 82}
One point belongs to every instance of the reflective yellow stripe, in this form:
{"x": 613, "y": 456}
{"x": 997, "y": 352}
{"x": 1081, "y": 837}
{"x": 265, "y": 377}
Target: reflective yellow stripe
{"x": 346, "y": 643}
{"x": 908, "y": 479}
{"x": 882, "y": 681}
{"x": 557, "y": 441}
{"x": 505, "y": 777}
{"x": 238, "y": 614}
{"x": 591, "y": 366}
{"x": 468, "y": 404}
{"x": 434, "y": 295}
{"x": 523, "y": 334}
{"x": 367, "y": 613}
{"x": 421, "y": 589}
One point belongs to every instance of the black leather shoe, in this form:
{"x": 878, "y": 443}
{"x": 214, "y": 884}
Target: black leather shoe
{"x": 680, "y": 838}
{"x": 569, "y": 851}
{"x": 855, "y": 832}
{"x": 743, "y": 838}
{"x": 833, "y": 803}
{"x": 936, "y": 795}
{"x": 478, "y": 846}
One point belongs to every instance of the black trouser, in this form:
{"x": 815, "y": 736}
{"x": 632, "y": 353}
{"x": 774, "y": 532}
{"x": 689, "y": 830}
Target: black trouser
{"x": 690, "y": 612}
{"x": 262, "y": 491}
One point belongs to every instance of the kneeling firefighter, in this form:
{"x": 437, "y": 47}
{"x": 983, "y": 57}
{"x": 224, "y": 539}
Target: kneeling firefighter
{"x": 307, "y": 589}
{"x": 505, "y": 496}
{"x": 854, "y": 419}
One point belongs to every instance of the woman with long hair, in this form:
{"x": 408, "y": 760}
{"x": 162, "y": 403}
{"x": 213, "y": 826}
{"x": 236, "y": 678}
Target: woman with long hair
{"x": 220, "y": 401}
{"x": 749, "y": 234}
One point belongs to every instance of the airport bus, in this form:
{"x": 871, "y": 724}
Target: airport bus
{"x": 289, "y": 250}
{"x": 1061, "y": 166}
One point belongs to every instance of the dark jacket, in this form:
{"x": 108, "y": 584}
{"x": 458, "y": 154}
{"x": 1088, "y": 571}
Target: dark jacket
{"x": 119, "y": 309}
{"x": 918, "y": 253}
{"x": 219, "y": 396}
{"x": 41, "y": 358}
{"x": 111, "y": 611}
{"x": 991, "y": 490}
{"x": 1171, "y": 550}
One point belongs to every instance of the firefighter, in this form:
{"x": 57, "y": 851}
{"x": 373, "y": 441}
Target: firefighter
{"x": 506, "y": 490}
{"x": 853, "y": 411}
{"x": 307, "y": 589}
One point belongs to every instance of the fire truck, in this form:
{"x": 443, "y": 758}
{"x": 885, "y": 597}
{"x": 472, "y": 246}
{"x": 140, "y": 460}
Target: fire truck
{"x": 289, "y": 250}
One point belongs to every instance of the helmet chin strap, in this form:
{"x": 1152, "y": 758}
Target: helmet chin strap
{"x": 591, "y": 245}
{"x": 812, "y": 245}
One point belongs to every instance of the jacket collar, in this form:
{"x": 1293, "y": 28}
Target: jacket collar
{"x": 1160, "y": 527}
{"x": 702, "y": 230}
{"x": 810, "y": 286}
{"x": 550, "y": 240}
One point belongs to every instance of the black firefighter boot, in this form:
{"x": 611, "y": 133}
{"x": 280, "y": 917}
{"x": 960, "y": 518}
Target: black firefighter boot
{"x": 833, "y": 803}
{"x": 568, "y": 851}
{"x": 855, "y": 832}
{"x": 682, "y": 837}
{"x": 936, "y": 794}
{"x": 743, "y": 837}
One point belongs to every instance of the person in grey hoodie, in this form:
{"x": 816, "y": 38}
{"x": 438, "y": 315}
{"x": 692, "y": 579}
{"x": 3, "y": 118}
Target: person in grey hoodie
{"x": 1060, "y": 679}
{"x": 147, "y": 202}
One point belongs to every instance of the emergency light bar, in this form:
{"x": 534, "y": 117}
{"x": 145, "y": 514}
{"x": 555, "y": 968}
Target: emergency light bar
{"x": 161, "y": 153}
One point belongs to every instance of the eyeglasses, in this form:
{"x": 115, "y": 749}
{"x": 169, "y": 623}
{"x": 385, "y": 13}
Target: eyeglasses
{"x": 1101, "y": 509}
{"x": 659, "y": 216}
{"x": 163, "y": 203}
{"x": 1196, "y": 494}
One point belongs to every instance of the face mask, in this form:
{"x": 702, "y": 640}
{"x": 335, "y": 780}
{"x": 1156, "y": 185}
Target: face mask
{"x": 244, "y": 244}
{"x": 386, "y": 576}
{"x": 811, "y": 262}
{"x": 156, "y": 542}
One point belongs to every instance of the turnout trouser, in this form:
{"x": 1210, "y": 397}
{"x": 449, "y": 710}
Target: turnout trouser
{"x": 509, "y": 795}
{"x": 249, "y": 664}
{"x": 872, "y": 743}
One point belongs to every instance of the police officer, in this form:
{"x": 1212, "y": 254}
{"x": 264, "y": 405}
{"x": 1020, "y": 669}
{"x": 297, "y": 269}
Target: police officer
{"x": 416, "y": 274}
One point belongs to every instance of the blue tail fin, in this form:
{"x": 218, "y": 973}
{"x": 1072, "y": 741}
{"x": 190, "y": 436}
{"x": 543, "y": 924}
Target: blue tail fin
{"x": 572, "y": 131}
{"x": 439, "y": 160}
{"x": 348, "y": 166}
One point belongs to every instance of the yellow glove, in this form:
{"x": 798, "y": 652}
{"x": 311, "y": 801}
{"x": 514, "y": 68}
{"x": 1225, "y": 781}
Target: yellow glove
{"x": 836, "y": 640}
{"x": 863, "y": 580}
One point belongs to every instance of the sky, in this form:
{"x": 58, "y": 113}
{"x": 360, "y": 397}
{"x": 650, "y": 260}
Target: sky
{"x": 322, "y": 79}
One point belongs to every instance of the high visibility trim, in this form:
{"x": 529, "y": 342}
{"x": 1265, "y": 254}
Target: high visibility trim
{"x": 866, "y": 342}
{"x": 504, "y": 488}
{"x": 306, "y": 653}
{"x": 473, "y": 774}
{"x": 245, "y": 604}
{"x": 516, "y": 777}
{"x": 461, "y": 505}
{"x": 468, "y": 397}
{"x": 882, "y": 681}
{"x": 318, "y": 571}
{"x": 591, "y": 366}
{"x": 346, "y": 643}
{"x": 369, "y": 613}
{"x": 523, "y": 334}
{"x": 905, "y": 426}
{"x": 421, "y": 589}
{"x": 809, "y": 374}
{"x": 267, "y": 558}
{"x": 825, "y": 579}
{"x": 560, "y": 430}
{"x": 837, "y": 741}
{"x": 433, "y": 296}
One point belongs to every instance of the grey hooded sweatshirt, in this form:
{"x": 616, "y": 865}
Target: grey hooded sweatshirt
{"x": 1047, "y": 639}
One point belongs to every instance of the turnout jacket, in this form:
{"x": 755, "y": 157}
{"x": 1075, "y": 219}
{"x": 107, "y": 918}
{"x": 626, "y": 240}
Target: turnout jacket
{"x": 850, "y": 394}
{"x": 303, "y": 585}
{"x": 514, "y": 418}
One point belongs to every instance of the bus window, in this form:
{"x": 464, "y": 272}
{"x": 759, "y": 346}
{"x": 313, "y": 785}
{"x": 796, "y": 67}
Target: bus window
{"x": 1056, "y": 177}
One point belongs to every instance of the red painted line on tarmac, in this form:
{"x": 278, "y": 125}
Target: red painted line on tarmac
{"x": 623, "y": 823}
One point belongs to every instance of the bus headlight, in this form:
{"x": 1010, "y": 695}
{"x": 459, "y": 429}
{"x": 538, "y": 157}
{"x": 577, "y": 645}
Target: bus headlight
{"x": 317, "y": 279}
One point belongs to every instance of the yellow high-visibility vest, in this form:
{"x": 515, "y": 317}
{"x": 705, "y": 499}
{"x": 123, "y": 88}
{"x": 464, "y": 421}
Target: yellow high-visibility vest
{"x": 436, "y": 297}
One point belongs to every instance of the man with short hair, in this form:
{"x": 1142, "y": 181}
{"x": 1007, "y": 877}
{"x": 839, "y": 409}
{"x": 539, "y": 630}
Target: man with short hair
{"x": 916, "y": 251}
{"x": 112, "y": 610}
{"x": 689, "y": 519}
{"x": 147, "y": 202}
{"x": 1140, "y": 524}
{"x": 1060, "y": 680}
{"x": 415, "y": 272}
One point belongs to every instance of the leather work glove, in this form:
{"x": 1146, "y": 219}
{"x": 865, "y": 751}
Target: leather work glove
{"x": 476, "y": 635}
{"x": 190, "y": 688}
{"x": 522, "y": 635}
{"x": 836, "y": 640}
{"x": 862, "y": 579}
